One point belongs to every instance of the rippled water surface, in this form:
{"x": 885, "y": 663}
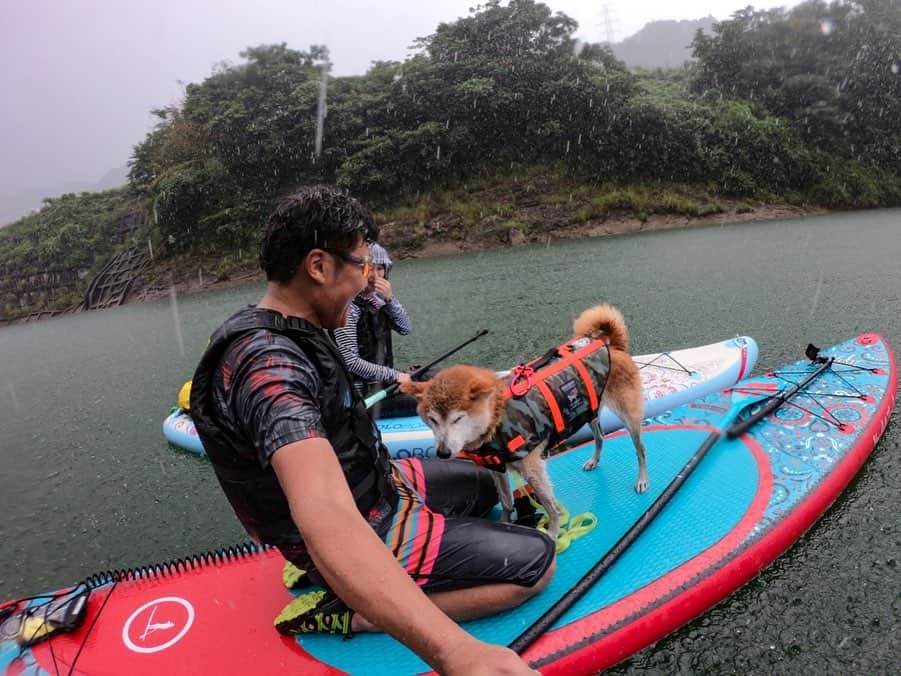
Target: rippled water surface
{"x": 88, "y": 482}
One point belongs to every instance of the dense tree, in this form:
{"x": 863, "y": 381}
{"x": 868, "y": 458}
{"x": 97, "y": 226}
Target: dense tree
{"x": 803, "y": 102}
{"x": 47, "y": 258}
{"x": 831, "y": 69}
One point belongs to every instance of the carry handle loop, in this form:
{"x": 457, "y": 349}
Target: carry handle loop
{"x": 521, "y": 382}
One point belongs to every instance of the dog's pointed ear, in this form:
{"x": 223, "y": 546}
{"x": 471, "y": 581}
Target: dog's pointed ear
{"x": 414, "y": 388}
{"x": 480, "y": 387}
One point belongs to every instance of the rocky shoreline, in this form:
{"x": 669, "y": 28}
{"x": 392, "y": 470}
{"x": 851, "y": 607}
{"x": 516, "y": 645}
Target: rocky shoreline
{"x": 190, "y": 274}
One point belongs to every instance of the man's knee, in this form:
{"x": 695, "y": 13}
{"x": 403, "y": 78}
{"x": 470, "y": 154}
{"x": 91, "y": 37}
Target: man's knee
{"x": 543, "y": 581}
{"x": 524, "y": 593}
{"x": 548, "y": 574}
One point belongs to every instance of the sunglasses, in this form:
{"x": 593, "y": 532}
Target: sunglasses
{"x": 364, "y": 263}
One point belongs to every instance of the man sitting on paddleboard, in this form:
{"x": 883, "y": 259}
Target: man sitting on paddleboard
{"x": 398, "y": 545}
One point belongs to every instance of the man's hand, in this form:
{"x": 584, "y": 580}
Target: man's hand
{"x": 403, "y": 377}
{"x": 485, "y": 659}
{"x": 383, "y": 288}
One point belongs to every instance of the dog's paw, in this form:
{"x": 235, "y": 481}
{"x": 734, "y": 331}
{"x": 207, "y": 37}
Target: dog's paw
{"x": 590, "y": 464}
{"x": 642, "y": 485}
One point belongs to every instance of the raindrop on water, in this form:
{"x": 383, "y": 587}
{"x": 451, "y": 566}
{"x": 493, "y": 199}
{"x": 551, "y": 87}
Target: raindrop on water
{"x": 173, "y": 302}
{"x": 12, "y": 393}
{"x": 816, "y": 294}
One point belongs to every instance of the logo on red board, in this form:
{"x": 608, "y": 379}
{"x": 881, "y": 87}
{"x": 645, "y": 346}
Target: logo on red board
{"x": 158, "y": 625}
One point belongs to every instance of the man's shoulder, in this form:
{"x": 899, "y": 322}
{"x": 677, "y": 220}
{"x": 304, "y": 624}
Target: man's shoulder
{"x": 256, "y": 337}
{"x": 260, "y": 341}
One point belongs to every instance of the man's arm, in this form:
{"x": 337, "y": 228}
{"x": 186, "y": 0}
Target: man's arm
{"x": 362, "y": 571}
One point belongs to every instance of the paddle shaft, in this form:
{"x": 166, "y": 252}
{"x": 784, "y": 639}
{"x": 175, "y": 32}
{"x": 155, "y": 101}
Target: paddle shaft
{"x": 391, "y": 390}
{"x": 555, "y": 612}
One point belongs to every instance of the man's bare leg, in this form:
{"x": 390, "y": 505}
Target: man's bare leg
{"x": 468, "y": 604}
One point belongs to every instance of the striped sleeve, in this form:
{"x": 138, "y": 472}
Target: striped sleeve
{"x": 346, "y": 338}
{"x": 400, "y": 320}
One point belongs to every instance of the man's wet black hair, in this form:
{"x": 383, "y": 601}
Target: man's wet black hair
{"x": 318, "y": 217}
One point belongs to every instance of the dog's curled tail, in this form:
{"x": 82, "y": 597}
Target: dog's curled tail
{"x": 603, "y": 322}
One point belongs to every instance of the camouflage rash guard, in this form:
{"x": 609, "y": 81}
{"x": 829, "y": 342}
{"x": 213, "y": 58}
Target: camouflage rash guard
{"x": 530, "y": 418}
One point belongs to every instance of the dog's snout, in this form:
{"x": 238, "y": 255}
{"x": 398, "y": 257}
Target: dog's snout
{"x": 442, "y": 453}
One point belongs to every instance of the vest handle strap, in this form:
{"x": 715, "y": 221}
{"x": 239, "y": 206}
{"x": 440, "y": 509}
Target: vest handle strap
{"x": 521, "y": 382}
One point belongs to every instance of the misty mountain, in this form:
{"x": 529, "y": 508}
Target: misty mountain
{"x": 661, "y": 44}
{"x": 15, "y": 206}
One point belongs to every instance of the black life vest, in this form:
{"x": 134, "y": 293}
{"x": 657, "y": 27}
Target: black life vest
{"x": 374, "y": 333}
{"x": 254, "y": 492}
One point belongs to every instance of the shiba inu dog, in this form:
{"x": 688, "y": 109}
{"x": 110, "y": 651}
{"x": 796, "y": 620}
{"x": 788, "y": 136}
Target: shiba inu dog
{"x": 515, "y": 420}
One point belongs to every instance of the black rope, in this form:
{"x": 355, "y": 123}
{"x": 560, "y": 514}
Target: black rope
{"x": 835, "y": 421}
{"x": 750, "y": 390}
{"x": 811, "y": 395}
{"x": 88, "y": 632}
{"x": 827, "y": 417}
{"x": 854, "y": 369}
{"x": 115, "y": 576}
{"x": 53, "y": 657}
{"x": 857, "y": 367}
{"x": 668, "y": 368}
{"x": 830, "y": 420}
{"x": 35, "y": 609}
{"x": 838, "y": 375}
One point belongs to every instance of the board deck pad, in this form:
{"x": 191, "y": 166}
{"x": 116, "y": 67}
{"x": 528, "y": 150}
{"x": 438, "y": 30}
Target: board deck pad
{"x": 748, "y": 500}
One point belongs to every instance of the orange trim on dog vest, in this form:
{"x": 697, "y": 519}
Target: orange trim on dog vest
{"x": 552, "y": 404}
{"x": 534, "y": 374}
{"x": 516, "y": 443}
{"x": 589, "y": 386}
{"x": 517, "y": 388}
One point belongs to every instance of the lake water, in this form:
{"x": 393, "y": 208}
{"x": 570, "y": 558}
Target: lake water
{"x": 88, "y": 483}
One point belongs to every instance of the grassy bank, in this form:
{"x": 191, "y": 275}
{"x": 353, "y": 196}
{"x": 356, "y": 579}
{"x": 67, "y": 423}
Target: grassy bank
{"x": 499, "y": 212}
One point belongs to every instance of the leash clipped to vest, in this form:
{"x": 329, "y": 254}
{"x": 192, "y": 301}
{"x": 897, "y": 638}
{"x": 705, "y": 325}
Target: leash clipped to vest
{"x": 391, "y": 390}
{"x": 571, "y": 529}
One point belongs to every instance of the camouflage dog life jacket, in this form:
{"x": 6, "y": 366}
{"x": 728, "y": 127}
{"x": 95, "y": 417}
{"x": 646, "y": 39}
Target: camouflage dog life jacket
{"x": 550, "y": 398}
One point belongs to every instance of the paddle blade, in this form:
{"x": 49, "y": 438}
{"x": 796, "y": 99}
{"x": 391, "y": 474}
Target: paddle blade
{"x": 744, "y": 398}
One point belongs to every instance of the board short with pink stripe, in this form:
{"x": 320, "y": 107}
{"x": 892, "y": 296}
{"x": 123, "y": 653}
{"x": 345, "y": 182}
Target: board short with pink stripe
{"x": 441, "y": 537}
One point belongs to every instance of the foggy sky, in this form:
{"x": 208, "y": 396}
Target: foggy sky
{"x": 79, "y": 77}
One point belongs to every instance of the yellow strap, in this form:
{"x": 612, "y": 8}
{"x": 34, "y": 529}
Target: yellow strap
{"x": 571, "y": 529}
